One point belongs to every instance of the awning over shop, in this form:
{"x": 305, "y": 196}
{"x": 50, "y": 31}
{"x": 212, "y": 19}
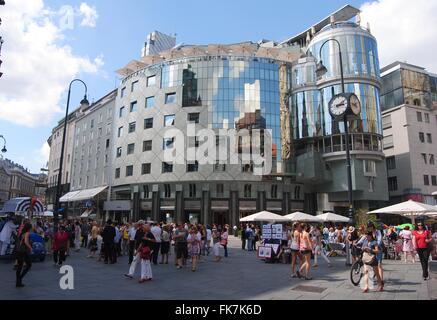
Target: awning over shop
{"x": 82, "y": 195}
{"x": 23, "y": 205}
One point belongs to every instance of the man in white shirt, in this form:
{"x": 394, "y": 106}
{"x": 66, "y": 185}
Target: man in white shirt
{"x": 132, "y": 232}
{"x": 208, "y": 239}
{"x": 5, "y": 236}
{"x": 156, "y": 231}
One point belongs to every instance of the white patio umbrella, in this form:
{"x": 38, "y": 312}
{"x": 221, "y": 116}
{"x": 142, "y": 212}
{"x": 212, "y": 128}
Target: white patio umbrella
{"x": 264, "y": 216}
{"x": 302, "y": 217}
{"x": 434, "y": 193}
{"x": 332, "y": 217}
{"x": 410, "y": 209}
{"x": 48, "y": 214}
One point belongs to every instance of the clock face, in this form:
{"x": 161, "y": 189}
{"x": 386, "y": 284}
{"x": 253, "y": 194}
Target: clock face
{"x": 338, "y": 106}
{"x": 355, "y": 104}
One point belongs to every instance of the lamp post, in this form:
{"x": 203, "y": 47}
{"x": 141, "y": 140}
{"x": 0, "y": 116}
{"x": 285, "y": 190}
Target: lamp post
{"x": 321, "y": 70}
{"x": 84, "y": 103}
{"x": 4, "y": 150}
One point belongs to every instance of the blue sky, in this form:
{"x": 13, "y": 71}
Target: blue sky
{"x": 121, "y": 29}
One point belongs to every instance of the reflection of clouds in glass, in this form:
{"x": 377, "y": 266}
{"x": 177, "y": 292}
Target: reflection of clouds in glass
{"x": 252, "y": 97}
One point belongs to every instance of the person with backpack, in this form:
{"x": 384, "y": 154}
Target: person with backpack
{"x": 23, "y": 252}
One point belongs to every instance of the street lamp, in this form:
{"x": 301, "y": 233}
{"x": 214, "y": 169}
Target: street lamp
{"x": 84, "y": 104}
{"x": 320, "y": 71}
{"x": 4, "y": 150}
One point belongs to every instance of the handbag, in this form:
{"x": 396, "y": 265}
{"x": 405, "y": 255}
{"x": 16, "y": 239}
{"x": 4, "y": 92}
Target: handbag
{"x": 368, "y": 258}
{"x": 224, "y": 242}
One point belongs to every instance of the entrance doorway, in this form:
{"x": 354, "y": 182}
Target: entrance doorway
{"x": 221, "y": 218}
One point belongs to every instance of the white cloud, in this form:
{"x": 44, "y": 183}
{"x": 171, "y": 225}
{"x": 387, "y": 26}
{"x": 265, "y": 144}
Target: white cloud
{"x": 37, "y": 69}
{"x": 89, "y": 15}
{"x": 41, "y": 155}
{"x": 406, "y": 30}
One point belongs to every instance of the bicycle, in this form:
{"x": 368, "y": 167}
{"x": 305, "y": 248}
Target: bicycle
{"x": 357, "y": 269}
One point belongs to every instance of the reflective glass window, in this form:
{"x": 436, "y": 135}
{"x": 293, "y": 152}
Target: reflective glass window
{"x": 151, "y": 81}
{"x": 148, "y": 123}
{"x": 130, "y": 148}
{"x": 129, "y": 171}
{"x": 150, "y": 102}
{"x": 133, "y": 106}
{"x": 146, "y": 168}
{"x": 169, "y": 120}
{"x": 170, "y": 98}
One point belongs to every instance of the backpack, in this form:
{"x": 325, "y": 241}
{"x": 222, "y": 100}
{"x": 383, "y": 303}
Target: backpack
{"x": 145, "y": 253}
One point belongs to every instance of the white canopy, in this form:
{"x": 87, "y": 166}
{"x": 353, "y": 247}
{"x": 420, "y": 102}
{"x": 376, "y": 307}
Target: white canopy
{"x": 48, "y": 214}
{"x": 265, "y": 216}
{"x": 409, "y": 209}
{"x": 82, "y": 195}
{"x": 332, "y": 217}
{"x": 434, "y": 193}
{"x": 302, "y": 217}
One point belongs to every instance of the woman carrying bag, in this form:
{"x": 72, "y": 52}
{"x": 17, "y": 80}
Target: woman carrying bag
{"x": 371, "y": 249}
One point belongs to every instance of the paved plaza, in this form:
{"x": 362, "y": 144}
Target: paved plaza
{"x": 241, "y": 276}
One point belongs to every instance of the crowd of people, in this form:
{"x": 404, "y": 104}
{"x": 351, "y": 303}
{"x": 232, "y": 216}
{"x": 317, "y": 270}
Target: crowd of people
{"x": 150, "y": 244}
{"x": 143, "y": 243}
{"x": 370, "y": 243}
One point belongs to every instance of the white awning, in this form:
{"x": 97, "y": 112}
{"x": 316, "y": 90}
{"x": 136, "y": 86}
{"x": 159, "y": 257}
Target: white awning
{"x": 69, "y": 196}
{"x": 81, "y": 195}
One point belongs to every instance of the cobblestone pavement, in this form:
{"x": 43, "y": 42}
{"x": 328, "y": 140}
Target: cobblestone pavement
{"x": 240, "y": 276}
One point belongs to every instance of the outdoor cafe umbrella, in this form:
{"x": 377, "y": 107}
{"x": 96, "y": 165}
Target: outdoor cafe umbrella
{"x": 264, "y": 216}
{"x": 410, "y": 209}
{"x": 332, "y": 217}
{"x": 302, "y": 217}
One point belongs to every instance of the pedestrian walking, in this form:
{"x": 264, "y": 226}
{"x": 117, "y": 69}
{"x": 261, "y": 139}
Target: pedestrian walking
{"x": 61, "y": 244}
{"x": 243, "y": 237}
{"x": 318, "y": 247}
{"x": 194, "y": 240}
{"x": 224, "y": 241}
{"x": 371, "y": 249}
{"x": 295, "y": 247}
{"x": 156, "y": 231}
{"x": 125, "y": 239}
{"x": 180, "y": 238}
{"x": 108, "y": 236}
{"x": 165, "y": 244}
{"x": 305, "y": 250}
{"x": 85, "y": 230}
{"x": 77, "y": 235}
{"x": 132, "y": 242}
{"x": 143, "y": 255}
{"x": 380, "y": 254}
{"x": 250, "y": 237}
{"x": 208, "y": 239}
{"x": 216, "y": 244}
{"x": 423, "y": 243}
{"x": 93, "y": 245}
{"x": 23, "y": 252}
{"x": 408, "y": 246}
